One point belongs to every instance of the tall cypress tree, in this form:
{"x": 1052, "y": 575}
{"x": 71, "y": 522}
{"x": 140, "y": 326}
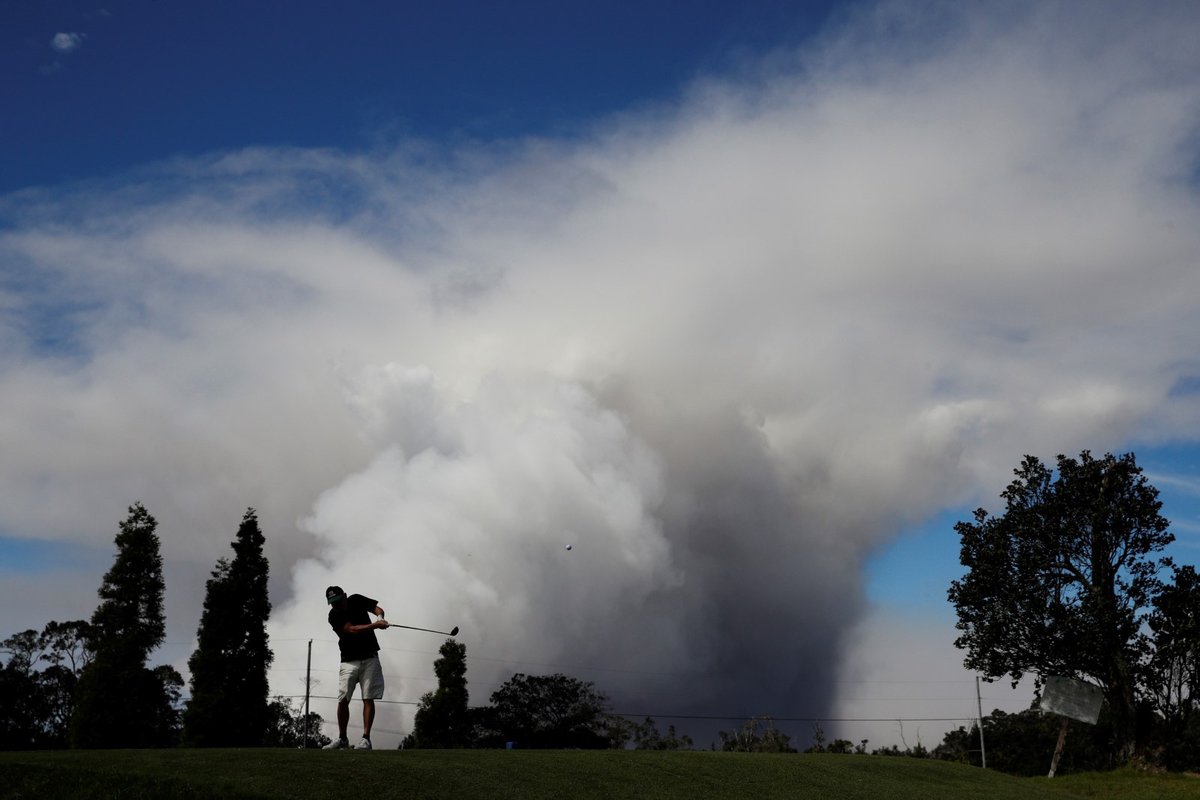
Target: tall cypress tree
{"x": 443, "y": 719}
{"x": 121, "y": 702}
{"x": 229, "y": 704}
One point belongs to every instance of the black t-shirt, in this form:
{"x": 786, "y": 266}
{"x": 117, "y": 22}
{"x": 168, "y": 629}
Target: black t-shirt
{"x": 354, "y": 646}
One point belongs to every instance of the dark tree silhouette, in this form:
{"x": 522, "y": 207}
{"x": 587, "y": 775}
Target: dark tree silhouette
{"x": 443, "y": 719}
{"x": 229, "y": 703}
{"x": 1060, "y": 583}
{"x": 37, "y": 684}
{"x": 119, "y": 701}
{"x": 286, "y": 726}
{"x": 544, "y": 711}
{"x": 1172, "y": 675}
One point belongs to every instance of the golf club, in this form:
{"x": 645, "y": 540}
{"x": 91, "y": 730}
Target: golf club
{"x": 452, "y": 632}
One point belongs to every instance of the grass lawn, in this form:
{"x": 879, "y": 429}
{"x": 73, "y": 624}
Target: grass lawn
{"x": 532, "y": 774}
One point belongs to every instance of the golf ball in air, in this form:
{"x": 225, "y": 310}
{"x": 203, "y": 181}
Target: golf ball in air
{"x": 569, "y": 547}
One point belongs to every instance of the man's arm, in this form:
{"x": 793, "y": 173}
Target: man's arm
{"x": 378, "y": 624}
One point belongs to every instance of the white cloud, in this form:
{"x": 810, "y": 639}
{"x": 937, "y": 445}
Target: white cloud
{"x": 67, "y": 42}
{"x": 725, "y": 351}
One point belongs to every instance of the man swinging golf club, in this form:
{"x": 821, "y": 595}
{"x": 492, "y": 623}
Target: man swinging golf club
{"x": 348, "y": 616}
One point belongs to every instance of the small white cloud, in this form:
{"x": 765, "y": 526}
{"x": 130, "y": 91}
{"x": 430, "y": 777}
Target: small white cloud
{"x": 67, "y": 42}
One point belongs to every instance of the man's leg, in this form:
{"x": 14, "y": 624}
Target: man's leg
{"x": 368, "y": 717}
{"x": 343, "y": 717}
{"x": 371, "y": 689}
{"x": 346, "y": 677}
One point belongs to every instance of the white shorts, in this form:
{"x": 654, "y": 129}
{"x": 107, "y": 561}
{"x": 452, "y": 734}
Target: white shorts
{"x": 367, "y": 675}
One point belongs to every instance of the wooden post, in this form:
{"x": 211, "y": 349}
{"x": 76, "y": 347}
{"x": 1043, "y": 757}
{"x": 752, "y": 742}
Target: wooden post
{"x": 979, "y": 704}
{"x": 1058, "y": 748}
{"x": 307, "y": 690}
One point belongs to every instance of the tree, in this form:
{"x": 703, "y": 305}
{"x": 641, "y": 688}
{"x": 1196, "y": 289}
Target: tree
{"x": 165, "y": 685}
{"x": 1060, "y": 583}
{"x": 1172, "y": 675}
{"x": 544, "y": 711}
{"x": 646, "y": 736}
{"x": 20, "y": 698}
{"x": 841, "y": 747}
{"x": 129, "y": 619}
{"x": 36, "y": 705}
{"x": 68, "y": 644}
{"x": 228, "y": 706}
{"x": 443, "y": 719}
{"x": 120, "y": 702}
{"x": 757, "y": 735}
{"x": 1023, "y": 744}
{"x": 286, "y": 726}
{"x": 67, "y": 650}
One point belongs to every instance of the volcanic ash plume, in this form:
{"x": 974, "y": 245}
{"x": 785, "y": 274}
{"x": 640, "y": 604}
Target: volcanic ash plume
{"x": 463, "y": 519}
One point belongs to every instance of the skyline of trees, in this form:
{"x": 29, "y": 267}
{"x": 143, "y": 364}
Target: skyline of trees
{"x": 51, "y": 691}
{"x": 86, "y": 684}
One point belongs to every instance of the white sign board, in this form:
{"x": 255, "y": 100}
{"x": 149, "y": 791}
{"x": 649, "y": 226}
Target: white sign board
{"x": 1068, "y": 697}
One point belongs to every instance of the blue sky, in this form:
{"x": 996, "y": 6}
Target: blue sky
{"x": 747, "y": 301}
{"x": 143, "y": 81}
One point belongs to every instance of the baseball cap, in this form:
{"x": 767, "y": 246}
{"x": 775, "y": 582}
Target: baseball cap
{"x": 334, "y": 594}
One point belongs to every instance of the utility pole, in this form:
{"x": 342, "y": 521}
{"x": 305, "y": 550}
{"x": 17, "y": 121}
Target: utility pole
{"x": 979, "y": 705}
{"x": 308, "y": 689}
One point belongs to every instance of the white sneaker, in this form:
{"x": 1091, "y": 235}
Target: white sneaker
{"x": 337, "y": 744}
{"x": 365, "y": 744}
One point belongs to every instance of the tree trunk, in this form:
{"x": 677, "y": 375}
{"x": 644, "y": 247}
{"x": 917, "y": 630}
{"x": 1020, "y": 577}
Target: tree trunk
{"x": 1121, "y": 707}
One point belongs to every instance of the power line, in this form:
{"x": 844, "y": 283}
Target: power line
{"x": 331, "y": 697}
{"x": 961, "y": 718}
{"x": 939, "y": 682}
{"x": 966, "y": 718}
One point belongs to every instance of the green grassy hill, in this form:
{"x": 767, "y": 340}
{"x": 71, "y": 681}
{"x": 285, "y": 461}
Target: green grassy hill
{"x": 530, "y": 774}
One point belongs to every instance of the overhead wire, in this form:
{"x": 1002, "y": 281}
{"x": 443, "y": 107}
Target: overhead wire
{"x": 961, "y": 718}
